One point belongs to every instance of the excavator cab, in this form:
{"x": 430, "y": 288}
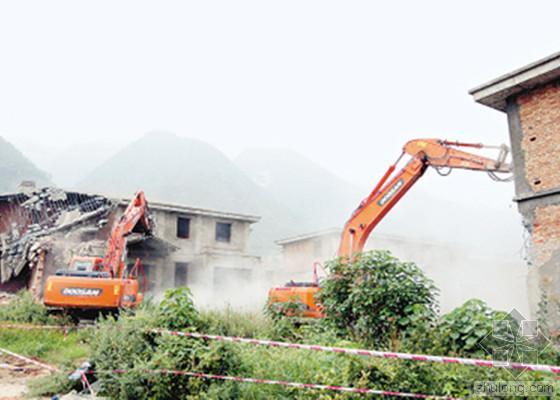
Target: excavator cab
{"x": 78, "y": 263}
{"x": 302, "y": 293}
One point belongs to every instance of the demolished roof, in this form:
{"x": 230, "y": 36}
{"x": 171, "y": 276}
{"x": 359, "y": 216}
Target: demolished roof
{"x": 28, "y": 219}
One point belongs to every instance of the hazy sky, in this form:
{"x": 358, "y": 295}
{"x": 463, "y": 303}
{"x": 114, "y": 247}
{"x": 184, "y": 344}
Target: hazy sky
{"x": 345, "y": 83}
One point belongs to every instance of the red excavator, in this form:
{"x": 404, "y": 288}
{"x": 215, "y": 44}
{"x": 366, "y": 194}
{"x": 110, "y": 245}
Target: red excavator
{"x": 95, "y": 283}
{"x": 442, "y": 155}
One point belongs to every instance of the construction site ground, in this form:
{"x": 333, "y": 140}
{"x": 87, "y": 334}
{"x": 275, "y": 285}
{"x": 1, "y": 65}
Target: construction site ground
{"x": 15, "y": 375}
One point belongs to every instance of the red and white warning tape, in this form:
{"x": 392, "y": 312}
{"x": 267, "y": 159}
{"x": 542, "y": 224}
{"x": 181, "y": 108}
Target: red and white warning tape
{"x": 361, "y": 352}
{"x": 373, "y": 353}
{"x": 283, "y": 383}
{"x": 40, "y": 327}
{"x": 86, "y": 383}
{"x": 29, "y": 360}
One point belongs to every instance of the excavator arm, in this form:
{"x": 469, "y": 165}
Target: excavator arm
{"x": 392, "y": 187}
{"x": 134, "y": 219}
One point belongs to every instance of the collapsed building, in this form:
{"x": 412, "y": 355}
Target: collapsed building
{"x": 37, "y": 225}
{"x": 530, "y": 96}
{"x": 41, "y": 229}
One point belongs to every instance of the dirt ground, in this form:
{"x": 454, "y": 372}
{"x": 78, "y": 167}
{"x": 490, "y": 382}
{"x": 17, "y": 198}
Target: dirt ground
{"x": 14, "y": 375}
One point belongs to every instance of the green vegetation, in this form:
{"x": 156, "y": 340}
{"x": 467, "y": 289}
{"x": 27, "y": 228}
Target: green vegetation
{"x": 374, "y": 302}
{"x": 65, "y": 350}
{"x": 377, "y": 299}
{"x": 52, "y": 347}
{"x": 23, "y": 310}
{"x": 229, "y": 322}
{"x": 126, "y": 343}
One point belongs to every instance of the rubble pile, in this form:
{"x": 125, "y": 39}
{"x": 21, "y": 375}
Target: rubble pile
{"x": 27, "y": 220}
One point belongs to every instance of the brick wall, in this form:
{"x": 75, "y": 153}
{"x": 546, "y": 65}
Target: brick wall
{"x": 539, "y": 118}
{"x": 539, "y": 114}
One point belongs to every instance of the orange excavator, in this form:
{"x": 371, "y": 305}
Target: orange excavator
{"x": 442, "y": 155}
{"x": 95, "y": 283}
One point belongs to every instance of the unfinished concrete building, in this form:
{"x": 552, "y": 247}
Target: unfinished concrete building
{"x": 206, "y": 250}
{"x": 530, "y": 96}
{"x": 41, "y": 229}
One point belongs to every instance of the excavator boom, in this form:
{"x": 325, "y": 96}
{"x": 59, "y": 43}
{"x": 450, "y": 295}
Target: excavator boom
{"x": 424, "y": 153}
{"x": 134, "y": 219}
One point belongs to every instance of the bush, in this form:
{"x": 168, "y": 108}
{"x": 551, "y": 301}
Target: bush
{"x": 24, "y": 309}
{"x": 127, "y": 344}
{"x": 376, "y": 295}
{"x": 177, "y": 310}
{"x": 463, "y": 330}
{"x": 187, "y": 354}
{"x": 229, "y": 322}
{"x": 376, "y": 299}
{"x": 52, "y": 384}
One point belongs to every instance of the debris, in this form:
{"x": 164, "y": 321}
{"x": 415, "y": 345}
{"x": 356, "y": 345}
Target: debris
{"x": 30, "y": 217}
{"x": 29, "y": 360}
{"x": 10, "y": 367}
{"x": 15, "y": 373}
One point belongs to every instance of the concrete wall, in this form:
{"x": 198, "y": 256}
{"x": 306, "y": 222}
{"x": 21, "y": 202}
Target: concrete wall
{"x": 202, "y": 231}
{"x": 298, "y": 257}
{"x": 534, "y": 125}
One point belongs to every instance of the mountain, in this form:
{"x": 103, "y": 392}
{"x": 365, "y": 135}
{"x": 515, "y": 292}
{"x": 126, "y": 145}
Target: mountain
{"x": 15, "y": 167}
{"x": 317, "y": 195}
{"x": 188, "y": 171}
{"x": 75, "y": 161}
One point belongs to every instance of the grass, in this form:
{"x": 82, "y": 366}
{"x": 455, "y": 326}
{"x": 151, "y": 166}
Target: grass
{"x": 230, "y": 322}
{"x": 65, "y": 351}
{"x": 281, "y": 364}
{"x": 51, "y": 346}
